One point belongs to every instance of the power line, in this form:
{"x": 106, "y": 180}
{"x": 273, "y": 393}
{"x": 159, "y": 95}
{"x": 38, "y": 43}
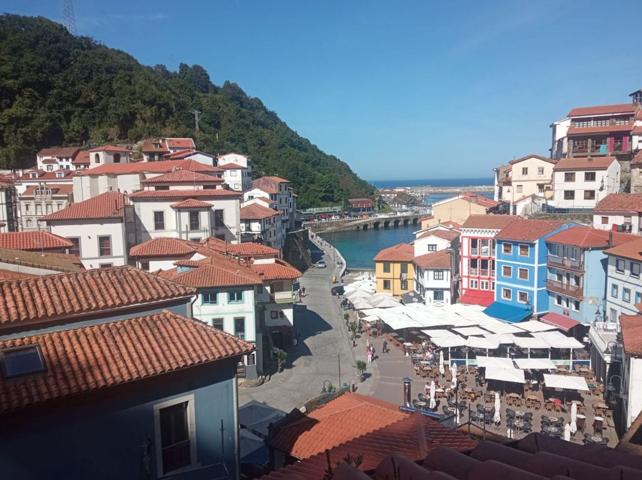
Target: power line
{"x": 69, "y": 17}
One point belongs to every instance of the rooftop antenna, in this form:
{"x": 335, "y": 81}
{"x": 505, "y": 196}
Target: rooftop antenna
{"x": 196, "y": 118}
{"x": 69, "y": 17}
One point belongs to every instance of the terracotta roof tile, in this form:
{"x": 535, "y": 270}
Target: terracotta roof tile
{"x": 528, "y": 230}
{"x": 631, "y": 326}
{"x": 51, "y": 298}
{"x": 180, "y": 142}
{"x": 11, "y": 275}
{"x": 60, "y": 262}
{"x": 244, "y": 250}
{"x": 602, "y": 110}
{"x": 185, "y": 194}
{"x": 440, "y": 259}
{"x": 37, "y": 240}
{"x": 632, "y": 250}
{"x": 620, "y": 203}
{"x": 343, "y": 419}
{"x": 82, "y": 158}
{"x": 57, "y": 190}
{"x": 272, "y": 179}
{"x": 279, "y": 270}
{"x": 191, "y": 203}
{"x": 587, "y": 237}
{"x": 110, "y": 148}
{"x": 257, "y": 212}
{"x": 164, "y": 166}
{"x": 232, "y": 166}
{"x": 216, "y": 271}
{"x": 88, "y": 359}
{"x": 105, "y": 205}
{"x": 480, "y": 199}
{"x": 64, "y": 152}
{"x": 491, "y": 222}
{"x": 603, "y": 129}
{"x": 528, "y": 157}
{"x": 584, "y": 163}
{"x": 183, "y": 176}
{"x": 164, "y": 247}
{"x": 402, "y": 252}
{"x": 449, "y": 235}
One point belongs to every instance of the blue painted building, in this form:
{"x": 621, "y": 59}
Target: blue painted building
{"x": 520, "y": 269}
{"x": 116, "y": 387}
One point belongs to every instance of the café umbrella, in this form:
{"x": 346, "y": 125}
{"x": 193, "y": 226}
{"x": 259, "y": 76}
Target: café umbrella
{"x": 497, "y": 418}
{"x": 573, "y": 423}
{"x": 453, "y": 371}
{"x": 441, "y": 363}
{"x": 432, "y": 404}
{"x": 567, "y": 432}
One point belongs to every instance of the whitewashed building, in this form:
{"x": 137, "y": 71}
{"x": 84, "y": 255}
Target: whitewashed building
{"x": 434, "y": 239}
{"x": 620, "y": 212}
{"x": 40, "y": 200}
{"x": 581, "y": 182}
{"x": 57, "y": 158}
{"x": 108, "y": 154}
{"x": 435, "y": 277}
{"x": 623, "y": 281}
{"x": 262, "y": 225}
{"x": 279, "y": 191}
{"x": 237, "y": 171}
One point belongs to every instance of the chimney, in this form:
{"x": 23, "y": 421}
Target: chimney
{"x": 407, "y": 393}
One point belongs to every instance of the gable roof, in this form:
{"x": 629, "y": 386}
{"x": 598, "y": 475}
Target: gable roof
{"x": 231, "y": 166}
{"x": 60, "y": 262}
{"x": 243, "y": 250}
{"x": 82, "y": 158}
{"x": 631, "y": 326}
{"x": 632, "y": 250}
{"x": 110, "y": 148}
{"x": 42, "y": 300}
{"x": 527, "y": 230}
{"x": 183, "y": 176}
{"x": 402, "y": 252}
{"x": 163, "y": 166}
{"x": 57, "y": 190}
{"x": 343, "y": 419}
{"x": 620, "y": 203}
{"x": 587, "y": 237}
{"x": 532, "y": 155}
{"x": 619, "y": 108}
{"x": 214, "y": 271}
{"x": 277, "y": 270}
{"x": 184, "y": 194}
{"x": 34, "y": 240}
{"x": 449, "y": 235}
{"x": 191, "y": 203}
{"x": 105, "y": 205}
{"x": 164, "y": 247}
{"x": 441, "y": 259}
{"x": 491, "y": 222}
{"x": 59, "y": 152}
{"x": 584, "y": 163}
{"x": 98, "y": 357}
{"x": 573, "y": 130}
{"x": 180, "y": 142}
{"x": 257, "y": 212}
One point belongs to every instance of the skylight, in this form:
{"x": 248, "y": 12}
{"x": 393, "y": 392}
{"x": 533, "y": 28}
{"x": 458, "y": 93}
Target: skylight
{"x": 20, "y": 361}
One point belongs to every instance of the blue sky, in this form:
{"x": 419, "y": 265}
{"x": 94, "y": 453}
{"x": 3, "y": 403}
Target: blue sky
{"x": 399, "y": 90}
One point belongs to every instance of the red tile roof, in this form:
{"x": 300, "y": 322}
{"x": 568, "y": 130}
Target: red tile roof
{"x": 480, "y": 199}
{"x": 257, "y": 212}
{"x": 232, "y": 166}
{"x": 93, "y": 358}
{"x": 179, "y": 154}
{"x": 57, "y": 190}
{"x": 602, "y": 110}
{"x": 110, "y": 148}
{"x": 59, "y": 152}
{"x": 361, "y": 202}
{"x": 341, "y": 420}
{"x": 272, "y": 179}
{"x": 632, "y": 250}
{"x": 183, "y": 176}
{"x": 180, "y": 142}
{"x": 60, "y": 262}
{"x": 441, "y": 259}
{"x": 279, "y": 270}
{"x": 402, "y": 252}
{"x": 449, "y": 235}
{"x": 52, "y": 298}
{"x": 491, "y": 222}
{"x": 164, "y": 166}
{"x": 269, "y": 184}
{"x": 528, "y": 230}
{"x": 587, "y": 237}
{"x": 150, "y": 146}
{"x": 414, "y": 436}
{"x": 532, "y": 155}
{"x": 164, "y": 247}
{"x": 82, "y": 158}
{"x": 105, "y": 205}
{"x": 604, "y": 129}
{"x": 37, "y": 240}
{"x": 214, "y": 271}
{"x": 185, "y": 194}
{"x": 631, "y": 326}
{"x": 584, "y": 163}
{"x": 620, "y": 203}
{"x": 191, "y": 203}
{"x": 11, "y": 275}
{"x": 243, "y": 250}
{"x": 561, "y": 321}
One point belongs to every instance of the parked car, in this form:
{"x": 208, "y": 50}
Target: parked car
{"x": 321, "y": 264}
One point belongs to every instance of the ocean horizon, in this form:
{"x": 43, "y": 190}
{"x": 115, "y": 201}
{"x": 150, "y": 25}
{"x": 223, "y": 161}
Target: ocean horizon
{"x": 433, "y": 182}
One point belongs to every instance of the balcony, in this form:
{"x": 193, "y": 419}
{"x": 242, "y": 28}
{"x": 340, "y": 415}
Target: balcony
{"x": 573, "y": 291}
{"x": 566, "y": 263}
{"x": 282, "y": 297}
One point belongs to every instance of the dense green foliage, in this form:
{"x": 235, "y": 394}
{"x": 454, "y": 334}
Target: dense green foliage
{"x": 57, "y": 89}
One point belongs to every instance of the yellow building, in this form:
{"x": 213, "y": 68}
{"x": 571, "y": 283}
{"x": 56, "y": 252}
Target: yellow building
{"x": 394, "y": 270}
{"x": 529, "y": 175}
{"x": 458, "y": 209}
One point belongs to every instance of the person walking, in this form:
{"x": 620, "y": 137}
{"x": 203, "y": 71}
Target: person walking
{"x": 384, "y": 349}
{"x": 369, "y": 356}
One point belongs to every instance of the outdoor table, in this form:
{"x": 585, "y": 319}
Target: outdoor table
{"x": 553, "y": 419}
{"x": 519, "y": 424}
{"x": 594, "y": 438}
{"x": 519, "y": 414}
{"x": 419, "y": 403}
{"x": 552, "y": 429}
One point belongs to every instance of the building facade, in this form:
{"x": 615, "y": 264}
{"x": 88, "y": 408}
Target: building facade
{"x": 582, "y": 182}
{"x": 435, "y": 277}
{"x": 262, "y": 225}
{"x": 394, "y": 270}
{"x": 620, "y": 212}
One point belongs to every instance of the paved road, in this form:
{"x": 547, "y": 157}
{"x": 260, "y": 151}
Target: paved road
{"x": 323, "y": 342}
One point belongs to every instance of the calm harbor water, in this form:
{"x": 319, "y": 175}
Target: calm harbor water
{"x": 359, "y": 247}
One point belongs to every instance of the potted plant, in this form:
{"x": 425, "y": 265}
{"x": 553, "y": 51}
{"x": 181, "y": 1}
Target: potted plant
{"x": 281, "y": 357}
{"x": 346, "y": 317}
{"x": 361, "y": 368}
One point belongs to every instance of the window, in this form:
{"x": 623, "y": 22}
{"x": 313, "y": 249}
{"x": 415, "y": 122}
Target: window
{"x": 209, "y": 298}
{"x": 239, "y": 327}
{"x": 21, "y": 361}
{"x": 507, "y": 248}
{"x": 159, "y": 220}
{"x": 404, "y": 284}
{"x": 507, "y": 294}
{"x": 540, "y": 188}
{"x": 638, "y": 297}
{"x": 569, "y": 194}
{"x": 274, "y": 314}
{"x": 75, "y": 249}
{"x": 569, "y": 177}
{"x": 614, "y": 290}
{"x": 386, "y": 284}
{"x": 520, "y": 188}
{"x": 27, "y": 208}
{"x": 104, "y": 246}
{"x": 235, "y": 296}
{"x": 194, "y": 220}
{"x": 523, "y": 274}
{"x": 523, "y": 250}
{"x": 589, "y": 176}
{"x": 613, "y": 315}
{"x": 38, "y": 209}
{"x": 524, "y": 170}
{"x": 218, "y": 323}
{"x": 219, "y": 218}
{"x": 473, "y": 284}
{"x": 96, "y": 158}
{"x": 386, "y": 267}
{"x": 161, "y": 187}
{"x": 558, "y": 300}
{"x": 540, "y": 171}
{"x": 483, "y": 285}
{"x": 576, "y": 305}
{"x": 116, "y": 157}
{"x": 175, "y": 434}
{"x": 105, "y": 265}
{"x": 605, "y": 220}
{"x": 507, "y": 271}
{"x": 432, "y": 247}
{"x": 522, "y": 297}
{"x": 589, "y": 194}
{"x": 619, "y": 265}
{"x": 144, "y": 266}
{"x": 438, "y": 295}
{"x": 626, "y": 295}
{"x": 404, "y": 268}
{"x": 438, "y": 275}
{"x": 635, "y": 269}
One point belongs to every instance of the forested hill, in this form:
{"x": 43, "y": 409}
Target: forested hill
{"x": 57, "y": 89}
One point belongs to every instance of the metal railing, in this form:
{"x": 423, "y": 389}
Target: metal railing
{"x": 574, "y": 291}
{"x": 565, "y": 262}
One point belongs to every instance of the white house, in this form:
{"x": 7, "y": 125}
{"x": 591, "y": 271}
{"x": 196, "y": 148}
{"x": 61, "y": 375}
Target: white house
{"x": 261, "y": 224}
{"x": 107, "y": 155}
{"x": 156, "y": 149}
{"x": 40, "y": 200}
{"x": 162, "y": 253}
{"x": 278, "y": 190}
{"x": 237, "y": 171}
{"x": 434, "y": 239}
{"x": 435, "y": 276}
{"x": 623, "y": 281}
{"x": 629, "y": 386}
{"x": 581, "y": 182}
{"x": 57, "y": 158}
{"x": 97, "y": 228}
{"x": 619, "y": 211}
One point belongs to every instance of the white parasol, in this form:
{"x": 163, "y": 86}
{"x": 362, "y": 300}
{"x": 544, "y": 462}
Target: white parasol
{"x": 453, "y": 371}
{"x": 573, "y": 424}
{"x": 497, "y": 418}
{"x": 567, "y": 432}
{"x": 432, "y": 403}
{"x": 441, "y": 363}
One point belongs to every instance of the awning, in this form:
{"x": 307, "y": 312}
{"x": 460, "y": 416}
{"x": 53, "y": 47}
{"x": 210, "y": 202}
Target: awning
{"x": 497, "y": 362}
{"x": 513, "y": 375}
{"x": 482, "y": 342}
{"x": 535, "y": 364}
{"x": 536, "y": 326}
{"x": 560, "y": 321}
{"x": 557, "y": 339}
{"x": 468, "y": 331}
{"x": 507, "y": 312}
{"x": 566, "y": 382}
{"x": 475, "y": 297}
{"x": 446, "y": 342}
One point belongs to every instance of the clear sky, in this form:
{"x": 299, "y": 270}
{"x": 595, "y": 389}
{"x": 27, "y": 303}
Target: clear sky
{"x": 398, "y": 89}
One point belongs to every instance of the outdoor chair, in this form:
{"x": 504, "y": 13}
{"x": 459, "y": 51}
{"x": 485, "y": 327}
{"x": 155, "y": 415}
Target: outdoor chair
{"x": 479, "y": 407}
{"x": 421, "y": 397}
{"x": 527, "y": 428}
{"x": 528, "y": 417}
{"x": 510, "y": 413}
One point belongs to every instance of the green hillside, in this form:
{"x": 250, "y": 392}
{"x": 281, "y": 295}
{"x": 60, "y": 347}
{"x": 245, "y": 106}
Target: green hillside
{"x": 57, "y": 89}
